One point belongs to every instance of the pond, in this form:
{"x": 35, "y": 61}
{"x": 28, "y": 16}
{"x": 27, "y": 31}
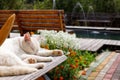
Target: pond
{"x": 97, "y": 33}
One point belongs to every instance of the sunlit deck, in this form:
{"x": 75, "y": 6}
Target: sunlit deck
{"x": 95, "y": 44}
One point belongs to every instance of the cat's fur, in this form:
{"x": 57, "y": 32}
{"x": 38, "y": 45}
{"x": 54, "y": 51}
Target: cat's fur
{"x": 17, "y": 53}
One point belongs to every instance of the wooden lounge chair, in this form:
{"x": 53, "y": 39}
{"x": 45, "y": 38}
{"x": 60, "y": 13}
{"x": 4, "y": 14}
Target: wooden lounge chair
{"x": 6, "y": 28}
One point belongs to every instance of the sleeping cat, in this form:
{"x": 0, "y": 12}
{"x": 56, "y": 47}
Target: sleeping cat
{"x": 16, "y": 54}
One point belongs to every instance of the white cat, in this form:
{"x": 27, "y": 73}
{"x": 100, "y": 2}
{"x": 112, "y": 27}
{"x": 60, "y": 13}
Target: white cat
{"x": 16, "y": 54}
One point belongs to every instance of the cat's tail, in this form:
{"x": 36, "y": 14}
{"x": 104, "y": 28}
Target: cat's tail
{"x": 15, "y": 70}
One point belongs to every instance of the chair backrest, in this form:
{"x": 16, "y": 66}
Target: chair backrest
{"x": 29, "y": 20}
{"x": 6, "y": 28}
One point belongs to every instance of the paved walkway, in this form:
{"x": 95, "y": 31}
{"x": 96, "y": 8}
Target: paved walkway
{"x": 106, "y": 67}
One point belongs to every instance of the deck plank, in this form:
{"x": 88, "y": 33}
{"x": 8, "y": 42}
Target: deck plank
{"x": 91, "y": 44}
{"x": 86, "y": 43}
{"x": 98, "y": 45}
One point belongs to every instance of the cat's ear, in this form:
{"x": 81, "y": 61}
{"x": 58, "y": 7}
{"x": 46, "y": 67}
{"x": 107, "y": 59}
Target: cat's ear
{"x": 27, "y": 36}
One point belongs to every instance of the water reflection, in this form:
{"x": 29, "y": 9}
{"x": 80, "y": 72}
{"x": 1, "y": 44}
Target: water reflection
{"x": 100, "y": 34}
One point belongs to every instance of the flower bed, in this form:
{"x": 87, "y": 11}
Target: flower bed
{"x": 77, "y": 60}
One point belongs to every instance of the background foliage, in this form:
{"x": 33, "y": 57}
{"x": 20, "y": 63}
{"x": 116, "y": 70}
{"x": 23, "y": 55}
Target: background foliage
{"x": 12, "y": 4}
{"x": 67, "y": 5}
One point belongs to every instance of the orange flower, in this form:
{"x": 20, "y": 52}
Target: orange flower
{"x": 32, "y": 33}
{"x": 74, "y": 77}
{"x": 55, "y": 78}
{"x": 62, "y": 67}
{"x": 77, "y": 65}
{"x": 70, "y": 49}
{"x": 46, "y": 47}
{"x": 72, "y": 53}
{"x": 61, "y": 78}
{"x": 83, "y": 72}
{"x": 76, "y": 60}
{"x": 72, "y": 66}
{"x": 85, "y": 62}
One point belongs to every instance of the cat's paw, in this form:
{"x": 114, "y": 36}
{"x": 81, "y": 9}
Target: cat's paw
{"x": 30, "y": 60}
{"x": 40, "y": 65}
{"x": 49, "y": 59}
{"x": 57, "y": 53}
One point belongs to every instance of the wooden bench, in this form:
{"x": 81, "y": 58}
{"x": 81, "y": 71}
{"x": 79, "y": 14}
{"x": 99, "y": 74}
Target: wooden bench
{"x": 31, "y": 20}
{"x": 4, "y": 14}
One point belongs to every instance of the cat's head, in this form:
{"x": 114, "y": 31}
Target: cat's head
{"x": 30, "y": 44}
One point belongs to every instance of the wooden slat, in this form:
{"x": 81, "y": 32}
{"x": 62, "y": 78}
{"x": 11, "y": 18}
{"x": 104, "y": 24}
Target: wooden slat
{"x": 2, "y": 20}
{"x": 99, "y": 45}
{"x": 118, "y": 43}
{"x": 38, "y": 17}
{"x": 42, "y": 28}
{"x": 110, "y": 42}
{"x": 114, "y": 42}
{"x": 40, "y": 20}
{"x": 40, "y": 11}
{"x": 39, "y": 25}
{"x": 5, "y": 15}
{"x": 7, "y": 11}
{"x": 89, "y": 43}
{"x": 95, "y": 45}
{"x": 50, "y": 65}
{"x": 86, "y": 43}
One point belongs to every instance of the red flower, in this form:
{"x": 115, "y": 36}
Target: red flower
{"x": 55, "y": 78}
{"x": 62, "y": 67}
{"x": 61, "y": 78}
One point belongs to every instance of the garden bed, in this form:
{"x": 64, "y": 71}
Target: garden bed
{"x": 77, "y": 60}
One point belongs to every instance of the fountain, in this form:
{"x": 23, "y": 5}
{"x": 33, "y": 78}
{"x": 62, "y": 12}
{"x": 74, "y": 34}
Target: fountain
{"x": 80, "y": 6}
{"x": 54, "y": 4}
{"x": 90, "y": 11}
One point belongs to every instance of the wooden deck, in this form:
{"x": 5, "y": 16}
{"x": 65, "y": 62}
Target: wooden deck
{"x": 95, "y": 44}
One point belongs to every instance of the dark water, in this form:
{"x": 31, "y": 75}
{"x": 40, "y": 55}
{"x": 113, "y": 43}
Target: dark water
{"x": 103, "y": 34}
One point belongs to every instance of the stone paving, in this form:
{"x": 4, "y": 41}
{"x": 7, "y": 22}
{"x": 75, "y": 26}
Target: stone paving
{"x": 106, "y": 67}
